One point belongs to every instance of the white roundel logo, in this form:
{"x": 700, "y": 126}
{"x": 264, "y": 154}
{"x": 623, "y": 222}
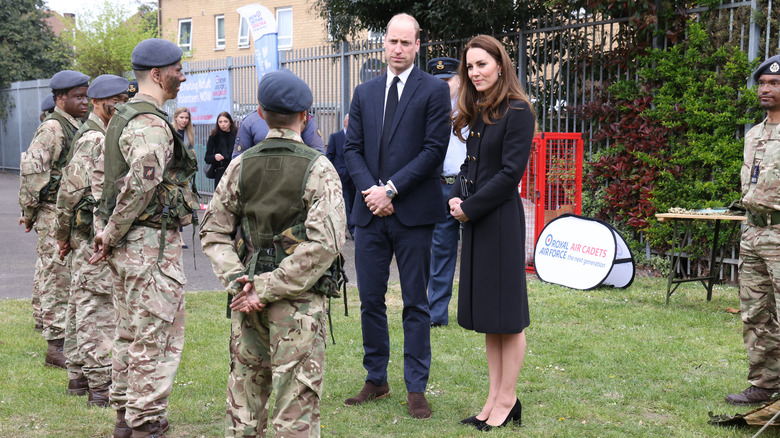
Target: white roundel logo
{"x": 774, "y": 68}
{"x": 548, "y": 240}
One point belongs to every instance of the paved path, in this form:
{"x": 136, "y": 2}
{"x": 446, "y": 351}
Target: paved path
{"x": 17, "y": 251}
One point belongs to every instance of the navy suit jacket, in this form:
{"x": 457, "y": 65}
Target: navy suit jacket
{"x": 416, "y": 148}
{"x": 335, "y": 153}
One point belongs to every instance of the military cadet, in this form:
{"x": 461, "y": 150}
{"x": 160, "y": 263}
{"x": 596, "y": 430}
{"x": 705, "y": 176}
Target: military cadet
{"x": 41, "y": 169}
{"x": 145, "y": 198}
{"x": 47, "y": 106}
{"x": 286, "y": 199}
{"x": 91, "y": 318}
{"x": 759, "y": 274}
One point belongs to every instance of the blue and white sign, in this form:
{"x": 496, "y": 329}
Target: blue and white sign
{"x": 583, "y": 253}
{"x": 262, "y": 23}
{"x": 205, "y": 95}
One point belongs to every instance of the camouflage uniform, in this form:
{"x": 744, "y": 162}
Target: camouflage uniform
{"x": 149, "y": 295}
{"x": 282, "y": 346}
{"x": 54, "y": 275}
{"x": 759, "y": 278}
{"x": 91, "y": 318}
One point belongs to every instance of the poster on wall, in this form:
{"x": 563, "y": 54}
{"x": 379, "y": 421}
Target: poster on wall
{"x": 262, "y": 24}
{"x": 583, "y": 253}
{"x": 205, "y": 95}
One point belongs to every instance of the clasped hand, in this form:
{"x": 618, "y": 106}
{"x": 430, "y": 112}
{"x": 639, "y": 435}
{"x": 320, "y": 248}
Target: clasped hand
{"x": 246, "y": 300}
{"x": 456, "y": 211}
{"x": 378, "y": 202}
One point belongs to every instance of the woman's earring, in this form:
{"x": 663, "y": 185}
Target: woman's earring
{"x": 499, "y": 74}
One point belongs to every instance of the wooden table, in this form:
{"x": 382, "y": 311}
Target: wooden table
{"x": 688, "y": 218}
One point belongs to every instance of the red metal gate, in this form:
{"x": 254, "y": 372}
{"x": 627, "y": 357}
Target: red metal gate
{"x": 552, "y": 184}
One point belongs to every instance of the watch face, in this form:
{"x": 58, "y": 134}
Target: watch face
{"x": 390, "y": 193}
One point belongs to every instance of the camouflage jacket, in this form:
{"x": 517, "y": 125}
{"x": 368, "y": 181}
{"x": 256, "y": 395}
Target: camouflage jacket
{"x": 76, "y": 180}
{"x": 36, "y": 163}
{"x": 761, "y": 184}
{"x": 325, "y": 227}
{"x": 147, "y": 145}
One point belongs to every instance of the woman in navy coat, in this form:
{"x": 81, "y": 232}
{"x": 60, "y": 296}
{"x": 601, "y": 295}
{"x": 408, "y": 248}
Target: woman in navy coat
{"x": 492, "y": 293}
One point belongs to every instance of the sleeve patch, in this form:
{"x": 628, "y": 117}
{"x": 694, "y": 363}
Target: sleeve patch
{"x": 148, "y": 172}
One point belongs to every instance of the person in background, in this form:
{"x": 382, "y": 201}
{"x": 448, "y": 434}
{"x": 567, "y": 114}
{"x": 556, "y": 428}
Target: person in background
{"x": 219, "y": 148}
{"x": 253, "y": 130}
{"x": 492, "y": 295}
{"x": 47, "y": 106}
{"x": 335, "y": 154}
{"x": 182, "y": 121}
{"x": 444, "y": 247}
{"x": 40, "y": 172}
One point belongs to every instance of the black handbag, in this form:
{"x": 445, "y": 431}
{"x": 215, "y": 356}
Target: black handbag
{"x": 210, "y": 170}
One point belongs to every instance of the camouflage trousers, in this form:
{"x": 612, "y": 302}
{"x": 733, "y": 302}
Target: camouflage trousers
{"x": 55, "y": 276}
{"x": 149, "y": 298}
{"x": 36, "y": 292}
{"x": 91, "y": 317}
{"x": 759, "y": 295}
{"x": 281, "y": 348}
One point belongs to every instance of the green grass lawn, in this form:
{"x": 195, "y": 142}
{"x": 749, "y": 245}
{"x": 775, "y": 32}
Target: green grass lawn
{"x": 601, "y": 363}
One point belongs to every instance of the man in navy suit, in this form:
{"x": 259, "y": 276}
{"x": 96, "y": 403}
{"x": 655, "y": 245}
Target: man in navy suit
{"x": 335, "y": 154}
{"x": 396, "y": 140}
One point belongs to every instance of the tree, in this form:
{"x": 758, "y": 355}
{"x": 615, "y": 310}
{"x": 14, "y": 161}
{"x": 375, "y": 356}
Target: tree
{"x": 103, "y": 43}
{"x": 28, "y": 47}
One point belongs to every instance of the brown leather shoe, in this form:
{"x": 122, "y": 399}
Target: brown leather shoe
{"x": 121, "y": 429}
{"x": 751, "y": 396}
{"x": 78, "y": 386}
{"x": 368, "y": 393}
{"x": 98, "y": 396}
{"x": 54, "y": 356}
{"x": 151, "y": 429}
{"x": 418, "y": 405}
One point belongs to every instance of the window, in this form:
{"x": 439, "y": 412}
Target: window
{"x": 185, "y": 34}
{"x": 243, "y": 33}
{"x": 284, "y": 29}
{"x": 219, "y": 27}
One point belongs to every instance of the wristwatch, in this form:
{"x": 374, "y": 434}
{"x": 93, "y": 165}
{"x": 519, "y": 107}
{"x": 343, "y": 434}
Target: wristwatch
{"x": 390, "y": 193}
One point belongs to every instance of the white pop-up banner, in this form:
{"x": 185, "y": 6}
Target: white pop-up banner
{"x": 583, "y": 253}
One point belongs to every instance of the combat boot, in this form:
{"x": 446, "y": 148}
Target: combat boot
{"x": 121, "y": 429}
{"x": 98, "y": 396}
{"x": 751, "y": 396}
{"x": 78, "y": 386}
{"x": 54, "y": 356}
{"x": 151, "y": 429}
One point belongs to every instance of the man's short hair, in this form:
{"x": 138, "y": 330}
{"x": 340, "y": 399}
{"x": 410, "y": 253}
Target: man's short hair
{"x": 404, "y": 16}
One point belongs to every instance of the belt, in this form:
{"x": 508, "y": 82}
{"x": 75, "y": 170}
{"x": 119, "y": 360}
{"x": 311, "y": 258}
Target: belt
{"x": 763, "y": 219}
{"x": 449, "y": 179}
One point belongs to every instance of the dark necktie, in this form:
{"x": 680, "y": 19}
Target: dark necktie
{"x": 390, "y": 106}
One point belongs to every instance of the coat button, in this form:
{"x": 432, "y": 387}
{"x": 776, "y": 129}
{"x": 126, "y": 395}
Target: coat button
{"x": 472, "y": 134}
{"x": 479, "y": 135}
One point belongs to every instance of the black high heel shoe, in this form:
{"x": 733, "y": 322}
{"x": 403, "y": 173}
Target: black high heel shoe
{"x": 515, "y": 416}
{"x": 472, "y": 421}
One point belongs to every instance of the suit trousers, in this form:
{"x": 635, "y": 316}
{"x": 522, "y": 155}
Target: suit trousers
{"x": 375, "y": 245}
{"x": 444, "y": 257}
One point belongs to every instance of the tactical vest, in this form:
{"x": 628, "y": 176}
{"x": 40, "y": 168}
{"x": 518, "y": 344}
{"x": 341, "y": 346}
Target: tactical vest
{"x": 174, "y": 203}
{"x": 272, "y": 182}
{"x": 82, "y": 212}
{"x": 49, "y": 191}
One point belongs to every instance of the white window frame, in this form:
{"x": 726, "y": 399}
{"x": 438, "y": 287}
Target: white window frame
{"x": 186, "y": 47}
{"x": 288, "y": 40}
{"x": 243, "y": 40}
{"x": 219, "y": 44}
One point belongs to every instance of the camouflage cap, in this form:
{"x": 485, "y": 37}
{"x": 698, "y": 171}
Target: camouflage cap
{"x": 106, "y": 86}
{"x": 154, "y": 52}
{"x": 67, "y": 79}
{"x": 283, "y": 92}
{"x": 443, "y": 67}
{"x": 769, "y": 67}
{"x": 47, "y": 104}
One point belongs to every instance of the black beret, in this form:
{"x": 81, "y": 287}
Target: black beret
{"x": 132, "y": 88}
{"x": 769, "y": 67}
{"x": 67, "y": 79}
{"x": 48, "y": 103}
{"x": 283, "y": 92}
{"x": 443, "y": 67}
{"x": 106, "y": 86}
{"x": 154, "y": 52}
